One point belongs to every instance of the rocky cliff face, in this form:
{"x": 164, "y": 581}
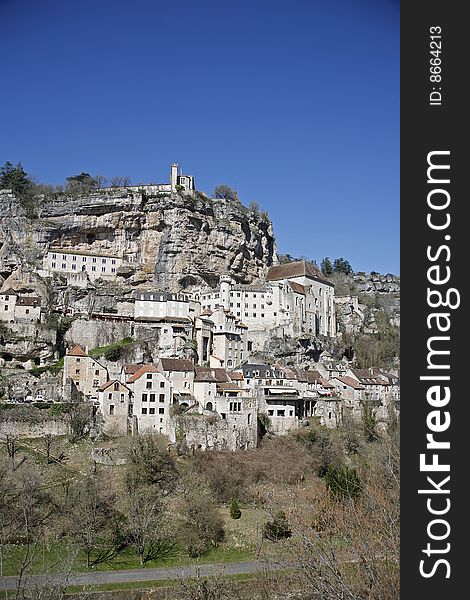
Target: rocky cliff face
{"x": 172, "y": 242}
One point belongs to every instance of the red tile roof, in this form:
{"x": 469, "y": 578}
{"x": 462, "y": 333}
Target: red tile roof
{"x": 297, "y": 288}
{"x": 112, "y": 382}
{"x": 131, "y": 369}
{"x": 144, "y": 369}
{"x": 76, "y": 351}
{"x": 299, "y": 268}
{"x": 349, "y": 381}
{"x": 9, "y": 292}
{"x": 177, "y": 364}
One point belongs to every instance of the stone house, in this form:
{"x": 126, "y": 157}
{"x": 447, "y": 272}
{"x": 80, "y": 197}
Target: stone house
{"x": 229, "y": 339}
{"x": 19, "y": 309}
{"x": 87, "y": 374}
{"x": 352, "y": 395}
{"x": 115, "y": 406}
{"x": 152, "y": 400}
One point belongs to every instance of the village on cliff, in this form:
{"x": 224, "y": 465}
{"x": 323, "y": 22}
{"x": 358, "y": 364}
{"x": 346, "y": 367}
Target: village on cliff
{"x": 169, "y": 311}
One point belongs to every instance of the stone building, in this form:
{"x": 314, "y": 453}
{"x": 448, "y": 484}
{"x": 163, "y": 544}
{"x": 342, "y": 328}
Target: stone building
{"x": 70, "y": 261}
{"x": 115, "y": 406}
{"x": 229, "y": 338}
{"x": 86, "y": 373}
{"x": 19, "y": 309}
{"x": 295, "y": 295}
{"x": 152, "y": 400}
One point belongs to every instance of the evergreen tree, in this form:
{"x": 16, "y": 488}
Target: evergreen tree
{"x": 326, "y": 266}
{"x": 278, "y": 528}
{"x": 341, "y": 265}
{"x": 15, "y": 178}
{"x": 235, "y": 511}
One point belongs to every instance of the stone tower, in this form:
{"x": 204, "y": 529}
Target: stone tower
{"x": 225, "y": 285}
{"x": 173, "y": 176}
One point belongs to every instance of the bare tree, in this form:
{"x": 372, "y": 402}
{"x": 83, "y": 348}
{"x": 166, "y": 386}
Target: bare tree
{"x": 122, "y": 181}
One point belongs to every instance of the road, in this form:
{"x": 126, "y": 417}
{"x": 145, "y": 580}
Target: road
{"x": 126, "y": 576}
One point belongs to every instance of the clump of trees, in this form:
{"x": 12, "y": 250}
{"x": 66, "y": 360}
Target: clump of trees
{"x": 225, "y": 192}
{"x": 340, "y": 265}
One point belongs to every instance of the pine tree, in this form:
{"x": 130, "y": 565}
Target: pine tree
{"x": 326, "y": 266}
{"x": 235, "y": 511}
{"x": 15, "y": 178}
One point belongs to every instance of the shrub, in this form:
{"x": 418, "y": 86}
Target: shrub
{"x": 235, "y": 511}
{"x": 278, "y": 528}
{"x": 343, "y": 483}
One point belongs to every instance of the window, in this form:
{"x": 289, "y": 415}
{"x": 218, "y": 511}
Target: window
{"x": 103, "y": 269}
{"x": 162, "y": 384}
{"x": 64, "y": 266}
{"x": 281, "y": 413}
{"x": 54, "y": 256}
{"x": 103, "y": 261}
{"x": 74, "y": 258}
{"x": 64, "y": 257}
{"x": 270, "y": 413}
{"x": 152, "y": 397}
{"x": 161, "y": 411}
{"x": 110, "y": 396}
{"x": 77, "y": 371}
{"x": 149, "y": 385}
{"x": 144, "y": 410}
{"x": 6, "y": 306}
{"x": 149, "y": 375}
{"x": 96, "y": 383}
{"x": 162, "y": 398}
{"x": 74, "y": 267}
{"x": 144, "y": 397}
{"x": 152, "y": 410}
{"x": 53, "y": 265}
{"x": 93, "y": 260}
{"x": 93, "y": 268}
{"x": 113, "y": 262}
{"x": 122, "y": 397}
{"x": 97, "y": 373}
{"x": 111, "y": 409}
{"x": 84, "y": 259}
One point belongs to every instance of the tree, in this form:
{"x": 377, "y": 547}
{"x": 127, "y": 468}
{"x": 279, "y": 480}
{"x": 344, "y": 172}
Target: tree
{"x": 341, "y": 265}
{"x": 81, "y": 183}
{"x": 93, "y": 523}
{"x": 48, "y": 441}
{"x": 120, "y": 181}
{"x": 326, "y": 266}
{"x": 278, "y": 528}
{"x": 201, "y": 525}
{"x": 15, "y": 178}
{"x": 225, "y": 192}
{"x": 79, "y": 417}
{"x": 150, "y": 463}
{"x": 235, "y": 511}
{"x": 143, "y": 509}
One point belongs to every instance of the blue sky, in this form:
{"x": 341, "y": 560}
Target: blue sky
{"x": 295, "y": 104}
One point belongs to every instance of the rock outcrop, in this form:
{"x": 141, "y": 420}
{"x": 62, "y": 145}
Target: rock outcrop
{"x": 170, "y": 241}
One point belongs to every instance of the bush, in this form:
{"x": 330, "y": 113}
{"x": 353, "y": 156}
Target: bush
{"x": 235, "y": 511}
{"x": 343, "y": 483}
{"x": 278, "y": 528}
{"x": 113, "y": 354}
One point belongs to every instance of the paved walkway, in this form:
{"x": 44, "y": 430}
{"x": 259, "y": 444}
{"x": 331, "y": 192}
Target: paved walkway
{"x": 126, "y": 576}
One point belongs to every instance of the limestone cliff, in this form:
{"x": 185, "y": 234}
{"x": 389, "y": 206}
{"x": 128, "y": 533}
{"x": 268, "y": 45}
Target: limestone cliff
{"x": 170, "y": 241}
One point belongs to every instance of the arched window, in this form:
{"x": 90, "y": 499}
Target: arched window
{"x": 209, "y": 406}
{"x": 116, "y": 386}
